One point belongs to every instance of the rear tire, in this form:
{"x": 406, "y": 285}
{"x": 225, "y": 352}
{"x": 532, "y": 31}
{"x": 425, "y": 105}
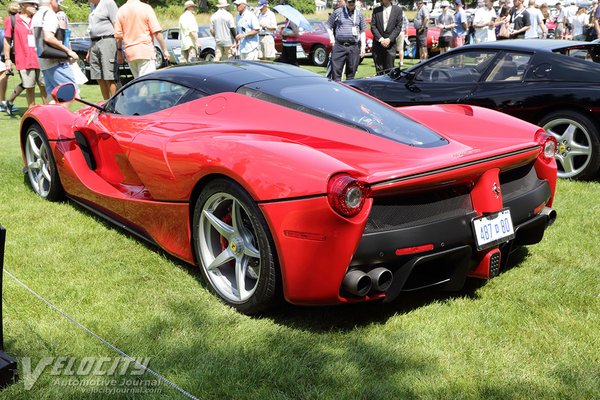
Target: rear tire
{"x": 578, "y": 152}
{"x": 319, "y": 56}
{"x": 234, "y": 247}
{"x": 208, "y": 55}
{"x": 160, "y": 59}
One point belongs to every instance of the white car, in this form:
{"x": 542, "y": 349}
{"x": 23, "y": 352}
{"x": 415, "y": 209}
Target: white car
{"x": 206, "y": 48}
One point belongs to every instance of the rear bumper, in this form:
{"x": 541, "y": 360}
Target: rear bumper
{"x": 444, "y": 252}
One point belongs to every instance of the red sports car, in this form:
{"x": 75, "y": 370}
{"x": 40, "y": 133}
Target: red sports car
{"x": 278, "y": 182}
{"x": 410, "y": 49}
{"x": 314, "y": 45}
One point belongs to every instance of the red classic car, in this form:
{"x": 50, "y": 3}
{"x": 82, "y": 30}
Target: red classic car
{"x": 279, "y": 183}
{"x": 410, "y": 49}
{"x": 314, "y": 45}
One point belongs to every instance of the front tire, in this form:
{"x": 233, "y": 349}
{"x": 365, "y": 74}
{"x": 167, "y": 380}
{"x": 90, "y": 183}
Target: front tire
{"x": 578, "y": 152}
{"x": 234, "y": 247}
{"x": 41, "y": 167}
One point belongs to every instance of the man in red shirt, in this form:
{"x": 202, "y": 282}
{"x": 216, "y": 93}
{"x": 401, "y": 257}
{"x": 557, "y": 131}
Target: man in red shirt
{"x": 26, "y": 59}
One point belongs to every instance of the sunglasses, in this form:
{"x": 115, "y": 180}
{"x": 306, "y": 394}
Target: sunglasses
{"x": 350, "y": 1}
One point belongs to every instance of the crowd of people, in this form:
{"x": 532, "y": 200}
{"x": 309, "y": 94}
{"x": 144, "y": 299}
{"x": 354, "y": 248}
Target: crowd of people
{"x": 128, "y": 33}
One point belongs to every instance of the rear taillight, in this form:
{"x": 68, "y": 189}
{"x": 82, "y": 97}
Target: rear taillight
{"x": 346, "y": 195}
{"x": 548, "y": 143}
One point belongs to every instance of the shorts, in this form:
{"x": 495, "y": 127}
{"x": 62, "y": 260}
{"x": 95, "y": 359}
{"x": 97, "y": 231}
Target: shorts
{"x": 103, "y": 59}
{"x": 266, "y": 48}
{"x": 458, "y": 41}
{"x": 141, "y": 67}
{"x": 422, "y": 39}
{"x": 222, "y": 52}
{"x": 444, "y": 41}
{"x": 251, "y": 55}
{"x": 29, "y": 77}
{"x": 189, "y": 55}
{"x": 58, "y": 75}
{"x": 400, "y": 43}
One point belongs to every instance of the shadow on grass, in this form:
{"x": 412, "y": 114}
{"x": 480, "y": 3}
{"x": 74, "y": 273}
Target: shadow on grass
{"x": 340, "y": 318}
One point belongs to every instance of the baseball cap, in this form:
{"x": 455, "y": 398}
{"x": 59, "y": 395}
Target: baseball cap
{"x": 262, "y": 3}
{"x": 238, "y": 2}
{"x": 222, "y": 3}
{"x": 445, "y": 3}
{"x": 457, "y": 2}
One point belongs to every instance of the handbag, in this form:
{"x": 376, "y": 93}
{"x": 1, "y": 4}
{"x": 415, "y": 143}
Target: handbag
{"x": 503, "y": 32}
{"x": 44, "y": 50}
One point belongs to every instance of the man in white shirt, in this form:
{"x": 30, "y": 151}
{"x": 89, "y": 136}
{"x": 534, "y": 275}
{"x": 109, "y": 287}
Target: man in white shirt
{"x": 188, "y": 33}
{"x": 222, "y": 27}
{"x": 570, "y": 12}
{"x": 537, "y": 29}
{"x": 56, "y": 71}
{"x": 484, "y": 23}
{"x": 268, "y": 25}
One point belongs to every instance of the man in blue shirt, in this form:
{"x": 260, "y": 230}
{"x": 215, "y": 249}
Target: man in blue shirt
{"x": 346, "y": 26}
{"x": 460, "y": 25}
{"x": 247, "y": 39}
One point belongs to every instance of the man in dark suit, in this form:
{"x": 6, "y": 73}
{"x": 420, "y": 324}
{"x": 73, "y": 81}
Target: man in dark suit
{"x": 386, "y": 25}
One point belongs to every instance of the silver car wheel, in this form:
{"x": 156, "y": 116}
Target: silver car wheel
{"x": 39, "y": 164}
{"x": 320, "y": 56}
{"x": 228, "y": 248}
{"x": 574, "y": 150}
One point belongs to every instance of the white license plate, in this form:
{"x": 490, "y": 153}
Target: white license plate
{"x": 493, "y": 229}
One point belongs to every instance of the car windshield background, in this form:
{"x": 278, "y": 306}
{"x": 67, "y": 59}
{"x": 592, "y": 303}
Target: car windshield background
{"x": 150, "y": 96}
{"x": 466, "y": 66}
{"x": 340, "y": 104}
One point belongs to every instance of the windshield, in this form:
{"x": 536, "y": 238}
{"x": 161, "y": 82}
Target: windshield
{"x": 336, "y": 102}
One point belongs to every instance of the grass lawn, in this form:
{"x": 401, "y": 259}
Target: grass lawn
{"x": 531, "y": 333}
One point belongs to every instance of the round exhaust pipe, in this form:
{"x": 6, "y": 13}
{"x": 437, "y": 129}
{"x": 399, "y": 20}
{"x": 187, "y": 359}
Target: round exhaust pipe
{"x": 550, "y": 214}
{"x": 357, "y": 283}
{"x": 381, "y": 278}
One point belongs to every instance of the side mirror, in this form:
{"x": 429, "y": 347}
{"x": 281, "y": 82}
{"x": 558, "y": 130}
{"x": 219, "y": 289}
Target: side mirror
{"x": 64, "y": 93}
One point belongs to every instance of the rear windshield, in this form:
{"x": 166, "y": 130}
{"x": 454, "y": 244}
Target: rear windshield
{"x": 336, "y": 102}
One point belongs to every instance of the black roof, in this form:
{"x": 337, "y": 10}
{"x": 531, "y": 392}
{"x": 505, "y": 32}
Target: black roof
{"x": 227, "y": 76}
{"x": 531, "y": 44}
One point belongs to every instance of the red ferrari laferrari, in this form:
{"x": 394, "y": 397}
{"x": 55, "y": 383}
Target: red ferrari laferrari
{"x": 277, "y": 182}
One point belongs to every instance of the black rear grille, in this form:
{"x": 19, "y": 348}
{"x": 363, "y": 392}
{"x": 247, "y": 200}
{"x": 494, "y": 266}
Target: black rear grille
{"x": 418, "y": 209}
{"x": 518, "y": 181}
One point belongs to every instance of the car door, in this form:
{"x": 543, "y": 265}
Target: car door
{"x": 449, "y": 78}
{"x": 504, "y": 88}
{"x": 107, "y": 139}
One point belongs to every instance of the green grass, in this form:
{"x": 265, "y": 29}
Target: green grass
{"x": 531, "y": 333}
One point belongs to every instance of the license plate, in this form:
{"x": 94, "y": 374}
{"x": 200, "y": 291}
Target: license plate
{"x": 493, "y": 229}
